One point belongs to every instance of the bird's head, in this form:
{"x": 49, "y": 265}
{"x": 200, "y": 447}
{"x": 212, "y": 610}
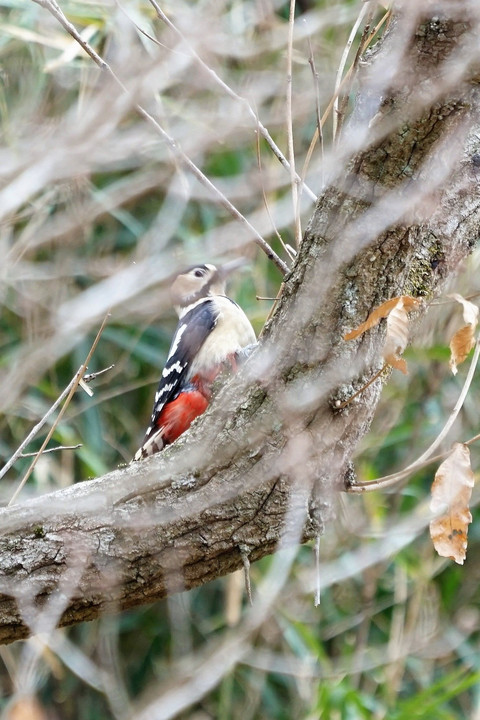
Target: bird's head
{"x": 199, "y": 281}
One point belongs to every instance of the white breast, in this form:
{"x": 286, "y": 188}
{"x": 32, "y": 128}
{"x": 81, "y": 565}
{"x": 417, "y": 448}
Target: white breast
{"x": 232, "y": 332}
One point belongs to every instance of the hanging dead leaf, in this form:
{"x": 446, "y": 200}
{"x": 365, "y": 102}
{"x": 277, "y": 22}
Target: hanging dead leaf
{"x": 464, "y": 339}
{"x": 451, "y": 493}
{"x": 397, "y": 337}
{"x": 460, "y": 345}
{"x": 396, "y": 311}
{"x": 383, "y": 311}
{"x": 470, "y": 310}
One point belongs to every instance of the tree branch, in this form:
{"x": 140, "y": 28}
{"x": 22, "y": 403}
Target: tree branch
{"x": 400, "y": 220}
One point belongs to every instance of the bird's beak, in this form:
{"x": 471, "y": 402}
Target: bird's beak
{"x": 227, "y": 268}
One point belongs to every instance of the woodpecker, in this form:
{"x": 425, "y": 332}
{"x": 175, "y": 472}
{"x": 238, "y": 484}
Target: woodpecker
{"x": 212, "y": 334}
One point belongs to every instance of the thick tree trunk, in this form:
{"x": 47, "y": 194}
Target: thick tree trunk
{"x": 262, "y": 466}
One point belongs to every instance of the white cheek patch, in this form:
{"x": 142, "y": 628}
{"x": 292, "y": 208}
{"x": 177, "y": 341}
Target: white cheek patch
{"x": 176, "y": 340}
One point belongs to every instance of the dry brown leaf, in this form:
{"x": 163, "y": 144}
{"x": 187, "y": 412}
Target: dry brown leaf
{"x": 397, "y": 337}
{"x": 383, "y": 311}
{"x": 460, "y": 345}
{"x": 409, "y": 303}
{"x": 396, "y": 311}
{"x": 451, "y": 493}
{"x": 470, "y": 310}
{"x": 464, "y": 339}
{"x": 398, "y": 363}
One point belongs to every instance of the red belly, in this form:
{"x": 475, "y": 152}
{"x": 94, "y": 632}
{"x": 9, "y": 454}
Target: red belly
{"x": 177, "y": 416}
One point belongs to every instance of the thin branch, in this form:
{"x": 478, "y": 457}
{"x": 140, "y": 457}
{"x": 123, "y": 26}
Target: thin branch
{"x": 448, "y": 300}
{"x": 288, "y": 105}
{"x": 330, "y": 105}
{"x": 292, "y": 252}
{"x": 317, "y": 572}
{"x": 74, "y": 384}
{"x": 323, "y": 120}
{"x": 472, "y": 440}
{"x": 341, "y": 107}
{"x": 50, "y": 450}
{"x": 340, "y": 406}
{"x": 92, "y": 376}
{"x": 389, "y": 480}
{"x": 272, "y": 309}
{"x": 318, "y": 112}
{"x": 263, "y": 130}
{"x": 343, "y": 61}
{"x": 35, "y": 430}
{"x": 246, "y": 571}
{"x": 265, "y": 201}
{"x": 52, "y": 6}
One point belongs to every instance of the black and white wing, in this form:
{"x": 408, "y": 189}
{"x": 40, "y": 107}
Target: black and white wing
{"x": 192, "y": 331}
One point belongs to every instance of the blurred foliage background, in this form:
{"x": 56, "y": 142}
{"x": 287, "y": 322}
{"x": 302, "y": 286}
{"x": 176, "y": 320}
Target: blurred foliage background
{"x": 96, "y": 213}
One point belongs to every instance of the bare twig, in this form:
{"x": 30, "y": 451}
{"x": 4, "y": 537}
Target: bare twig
{"x": 364, "y": 9}
{"x": 323, "y": 120}
{"x": 362, "y": 46}
{"x": 73, "y": 386}
{"x": 35, "y": 430}
{"x": 343, "y": 83}
{"x": 263, "y": 130}
{"x": 362, "y": 389}
{"x": 288, "y": 105}
{"x": 318, "y": 113}
{"x": 424, "y": 459}
{"x": 317, "y": 572}
{"x": 280, "y": 290}
{"x": 265, "y": 202}
{"x": 246, "y": 571}
{"x": 91, "y": 376}
{"x": 50, "y": 450}
{"x": 52, "y": 6}
{"x": 472, "y": 440}
{"x": 88, "y": 378}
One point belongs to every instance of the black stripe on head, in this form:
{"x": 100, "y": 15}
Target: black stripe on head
{"x": 204, "y": 268}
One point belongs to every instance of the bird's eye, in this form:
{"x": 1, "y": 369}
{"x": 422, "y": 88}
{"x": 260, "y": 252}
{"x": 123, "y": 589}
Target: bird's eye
{"x": 198, "y": 273}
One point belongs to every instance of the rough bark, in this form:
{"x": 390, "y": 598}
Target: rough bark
{"x": 262, "y": 466}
